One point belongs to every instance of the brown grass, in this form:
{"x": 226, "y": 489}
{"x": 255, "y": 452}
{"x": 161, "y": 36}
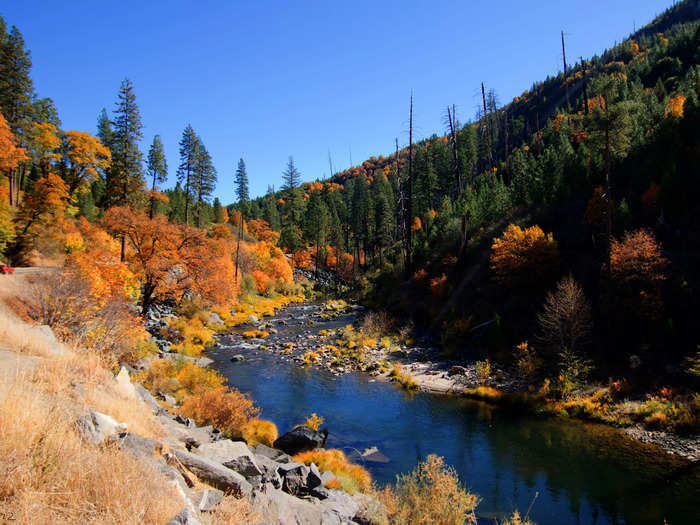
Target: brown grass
{"x": 49, "y": 475}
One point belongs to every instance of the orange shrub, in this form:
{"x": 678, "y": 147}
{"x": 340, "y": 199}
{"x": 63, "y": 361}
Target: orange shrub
{"x": 262, "y": 281}
{"x": 302, "y": 259}
{"x": 229, "y": 411}
{"x": 260, "y": 432}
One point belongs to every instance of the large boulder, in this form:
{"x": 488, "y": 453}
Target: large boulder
{"x": 124, "y": 385}
{"x": 215, "y": 474}
{"x": 301, "y": 439}
{"x": 269, "y": 471}
{"x": 208, "y": 499}
{"x": 137, "y": 445}
{"x": 273, "y": 454}
{"x": 96, "y": 427}
{"x": 339, "y": 507}
{"x": 294, "y": 478}
{"x": 147, "y": 398}
{"x": 275, "y": 506}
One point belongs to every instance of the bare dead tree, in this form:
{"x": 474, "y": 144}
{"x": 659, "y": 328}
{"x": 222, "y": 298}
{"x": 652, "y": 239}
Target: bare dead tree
{"x": 565, "y": 321}
{"x": 566, "y": 85}
{"x": 487, "y": 128}
{"x": 409, "y": 190}
{"x": 452, "y": 122}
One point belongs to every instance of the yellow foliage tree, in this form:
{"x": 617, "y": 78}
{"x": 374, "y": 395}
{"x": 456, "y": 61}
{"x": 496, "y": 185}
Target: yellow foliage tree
{"x": 521, "y": 254}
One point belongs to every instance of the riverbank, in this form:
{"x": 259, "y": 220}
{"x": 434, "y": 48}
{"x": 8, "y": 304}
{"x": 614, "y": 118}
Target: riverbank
{"x": 347, "y": 346}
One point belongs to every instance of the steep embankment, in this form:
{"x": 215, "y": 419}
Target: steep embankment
{"x": 74, "y": 436}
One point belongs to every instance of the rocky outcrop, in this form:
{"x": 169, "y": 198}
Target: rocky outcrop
{"x": 215, "y": 474}
{"x": 301, "y": 439}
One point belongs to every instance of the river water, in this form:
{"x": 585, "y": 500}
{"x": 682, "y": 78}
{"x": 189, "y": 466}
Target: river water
{"x": 581, "y": 473}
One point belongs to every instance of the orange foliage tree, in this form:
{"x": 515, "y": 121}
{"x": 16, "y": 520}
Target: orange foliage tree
{"x": 43, "y": 207}
{"x": 160, "y": 253}
{"x": 638, "y": 270}
{"x": 84, "y": 154}
{"x": 520, "y": 254}
{"x": 11, "y": 155}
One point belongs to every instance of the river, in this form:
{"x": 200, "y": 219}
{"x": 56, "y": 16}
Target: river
{"x": 582, "y": 473}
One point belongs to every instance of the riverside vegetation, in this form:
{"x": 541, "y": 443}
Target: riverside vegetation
{"x": 448, "y": 232}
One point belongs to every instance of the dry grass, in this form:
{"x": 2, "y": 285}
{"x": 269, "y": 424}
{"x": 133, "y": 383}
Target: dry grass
{"x": 49, "y": 475}
{"x": 432, "y": 493}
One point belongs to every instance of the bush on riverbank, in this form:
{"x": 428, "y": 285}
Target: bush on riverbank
{"x": 431, "y": 493}
{"x": 352, "y": 478}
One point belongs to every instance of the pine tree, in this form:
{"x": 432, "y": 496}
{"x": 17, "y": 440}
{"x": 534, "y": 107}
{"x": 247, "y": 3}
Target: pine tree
{"x": 125, "y": 182}
{"x": 157, "y": 169}
{"x": 204, "y": 180}
{"x": 270, "y": 212}
{"x": 16, "y": 87}
{"x": 218, "y": 211}
{"x": 104, "y": 129}
{"x": 290, "y": 176}
{"x": 241, "y": 181}
{"x": 316, "y": 223}
{"x": 189, "y": 146}
{"x": 290, "y": 236}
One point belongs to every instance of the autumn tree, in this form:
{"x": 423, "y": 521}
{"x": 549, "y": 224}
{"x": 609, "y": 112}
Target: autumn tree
{"x": 519, "y": 254}
{"x": 157, "y": 170}
{"x": 638, "y": 270}
{"x": 161, "y": 255}
{"x": 45, "y": 143}
{"x": 42, "y": 210}
{"x": 11, "y": 155}
{"x": 84, "y": 156}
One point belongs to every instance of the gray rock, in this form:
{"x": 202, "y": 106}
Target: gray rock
{"x": 269, "y": 471}
{"x": 215, "y": 474}
{"x": 209, "y": 499}
{"x": 237, "y": 358}
{"x": 275, "y": 506}
{"x": 137, "y": 445}
{"x": 185, "y": 517}
{"x": 147, "y": 398}
{"x": 215, "y": 319}
{"x": 96, "y": 427}
{"x": 167, "y": 398}
{"x": 339, "y": 505}
{"x": 204, "y": 362}
{"x": 294, "y": 477}
{"x": 253, "y": 319}
{"x": 313, "y": 479}
{"x": 273, "y": 454}
{"x": 327, "y": 476}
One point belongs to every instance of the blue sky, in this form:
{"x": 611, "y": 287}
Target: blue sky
{"x": 264, "y": 80}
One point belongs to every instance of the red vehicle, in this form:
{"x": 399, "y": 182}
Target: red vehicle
{"x": 4, "y": 269}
